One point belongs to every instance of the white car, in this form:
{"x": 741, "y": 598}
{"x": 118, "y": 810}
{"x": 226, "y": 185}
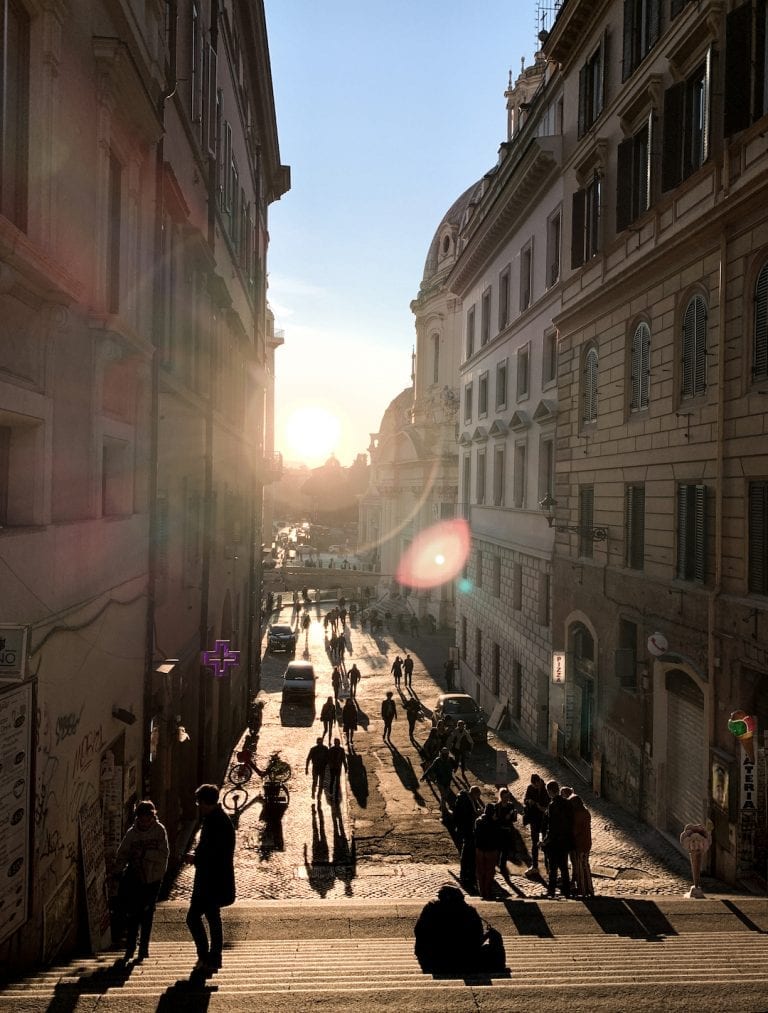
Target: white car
{"x": 299, "y": 681}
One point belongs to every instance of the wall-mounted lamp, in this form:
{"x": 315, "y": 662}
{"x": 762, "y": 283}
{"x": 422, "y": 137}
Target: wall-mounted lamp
{"x": 548, "y": 505}
{"x": 126, "y": 716}
{"x": 167, "y": 666}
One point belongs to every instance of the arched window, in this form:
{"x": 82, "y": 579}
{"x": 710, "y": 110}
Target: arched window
{"x": 640, "y": 368}
{"x": 589, "y": 387}
{"x": 760, "y": 336}
{"x": 435, "y": 358}
{"x": 694, "y": 379}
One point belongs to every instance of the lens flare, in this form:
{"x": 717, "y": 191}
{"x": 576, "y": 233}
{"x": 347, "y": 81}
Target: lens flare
{"x": 436, "y": 555}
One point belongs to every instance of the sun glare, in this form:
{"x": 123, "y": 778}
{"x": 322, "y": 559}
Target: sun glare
{"x": 312, "y": 434}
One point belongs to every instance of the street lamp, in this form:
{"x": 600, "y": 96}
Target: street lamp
{"x": 548, "y": 505}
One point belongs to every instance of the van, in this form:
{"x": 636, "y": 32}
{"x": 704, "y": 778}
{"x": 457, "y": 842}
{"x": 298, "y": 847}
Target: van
{"x": 299, "y": 681}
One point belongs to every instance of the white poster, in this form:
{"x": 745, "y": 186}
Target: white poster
{"x": 15, "y": 745}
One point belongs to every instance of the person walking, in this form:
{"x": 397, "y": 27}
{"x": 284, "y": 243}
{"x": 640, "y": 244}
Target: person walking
{"x": 337, "y": 761}
{"x": 317, "y": 758}
{"x": 448, "y": 669}
{"x": 142, "y": 858}
{"x": 582, "y": 845}
{"x": 535, "y": 804}
{"x": 336, "y": 682}
{"x": 465, "y": 812}
{"x": 214, "y": 884}
{"x": 408, "y": 671}
{"x": 558, "y": 840}
{"x": 397, "y": 670}
{"x": 461, "y": 744}
{"x": 388, "y": 715}
{"x": 486, "y": 850}
{"x": 412, "y": 712}
{"x": 354, "y": 679}
{"x": 349, "y": 721}
{"x": 328, "y": 717}
{"x": 440, "y": 772}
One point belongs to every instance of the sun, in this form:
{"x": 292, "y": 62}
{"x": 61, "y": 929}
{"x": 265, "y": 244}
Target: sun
{"x": 312, "y": 434}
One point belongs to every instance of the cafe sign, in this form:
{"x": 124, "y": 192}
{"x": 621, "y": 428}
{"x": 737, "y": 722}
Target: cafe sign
{"x": 558, "y": 667}
{"x": 13, "y": 653}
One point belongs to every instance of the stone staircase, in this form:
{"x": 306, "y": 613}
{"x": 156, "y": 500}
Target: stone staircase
{"x": 330, "y": 957}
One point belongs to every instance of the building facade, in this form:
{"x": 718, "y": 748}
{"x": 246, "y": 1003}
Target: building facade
{"x": 139, "y": 157}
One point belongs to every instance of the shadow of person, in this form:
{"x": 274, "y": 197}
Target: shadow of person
{"x": 344, "y": 860}
{"x": 320, "y": 874}
{"x": 406, "y": 773}
{"x": 191, "y": 994}
{"x": 362, "y": 717}
{"x": 67, "y": 994}
{"x": 452, "y": 940}
{"x": 357, "y": 775}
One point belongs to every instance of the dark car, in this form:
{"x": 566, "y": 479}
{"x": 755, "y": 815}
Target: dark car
{"x": 461, "y": 707}
{"x": 281, "y": 638}
{"x": 299, "y": 681}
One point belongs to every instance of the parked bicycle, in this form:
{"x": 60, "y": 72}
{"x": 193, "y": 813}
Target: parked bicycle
{"x": 275, "y": 774}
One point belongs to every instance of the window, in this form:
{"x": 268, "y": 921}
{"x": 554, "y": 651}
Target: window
{"x": 517, "y": 586}
{"x": 485, "y": 318}
{"x": 626, "y": 655}
{"x": 496, "y": 577}
{"x": 691, "y": 532}
{"x": 468, "y": 402}
{"x": 546, "y": 467}
{"x": 633, "y": 176}
{"x": 746, "y": 85}
{"x": 760, "y": 332}
{"x": 549, "y": 358}
{"x": 435, "y": 358}
{"x": 592, "y": 87}
{"x": 686, "y": 126}
{"x": 586, "y": 520}
{"x": 640, "y": 368}
{"x": 495, "y": 669}
{"x": 14, "y": 115}
{"x": 479, "y": 568}
{"x": 517, "y": 690}
{"x": 482, "y": 395}
{"x": 642, "y": 20}
{"x": 195, "y": 48}
{"x": 501, "y": 384}
{"x": 554, "y": 229}
{"x": 585, "y": 222}
{"x": 114, "y": 215}
{"x": 210, "y": 124}
{"x": 463, "y": 637}
{"x": 466, "y": 482}
{"x": 526, "y": 276}
{"x": 498, "y": 476}
{"x": 480, "y": 486}
{"x": 635, "y": 526}
{"x": 504, "y": 282}
{"x": 519, "y": 477}
{"x": 522, "y": 373}
{"x": 470, "y": 331}
{"x": 479, "y": 653}
{"x": 589, "y": 378}
{"x": 694, "y": 359}
{"x": 758, "y": 538}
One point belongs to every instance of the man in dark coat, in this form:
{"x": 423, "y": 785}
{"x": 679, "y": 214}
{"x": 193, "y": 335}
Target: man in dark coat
{"x": 558, "y": 839}
{"x": 318, "y": 757}
{"x": 451, "y": 940}
{"x": 388, "y": 715}
{"x": 214, "y": 885}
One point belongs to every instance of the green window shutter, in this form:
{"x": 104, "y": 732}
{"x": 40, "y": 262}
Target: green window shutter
{"x": 758, "y": 537}
{"x": 700, "y": 533}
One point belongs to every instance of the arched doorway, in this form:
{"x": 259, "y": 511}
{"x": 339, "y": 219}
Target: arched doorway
{"x": 581, "y": 695}
{"x": 686, "y": 750}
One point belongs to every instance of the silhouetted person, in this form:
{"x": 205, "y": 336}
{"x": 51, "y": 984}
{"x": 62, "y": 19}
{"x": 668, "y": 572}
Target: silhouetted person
{"x": 486, "y": 850}
{"x": 536, "y": 803}
{"x": 388, "y": 715}
{"x": 558, "y": 839}
{"x": 440, "y": 772}
{"x": 328, "y": 717}
{"x": 448, "y": 668}
{"x": 318, "y": 758}
{"x": 337, "y": 761}
{"x": 349, "y": 720}
{"x": 354, "y": 679}
{"x": 336, "y": 682}
{"x": 397, "y": 670}
{"x": 412, "y": 711}
{"x": 143, "y": 857}
{"x": 408, "y": 671}
{"x": 451, "y": 939}
{"x": 466, "y": 810}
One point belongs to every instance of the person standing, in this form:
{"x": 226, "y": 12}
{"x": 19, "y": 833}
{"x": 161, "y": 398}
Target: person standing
{"x": 318, "y": 758}
{"x": 354, "y": 679}
{"x": 142, "y": 858}
{"x": 582, "y": 845}
{"x": 397, "y": 670}
{"x": 349, "y": 721}
{"x": 465, "y": 812}
{"x": 408, "y": 671}
{"x": 214, "y": 885}
{"x": 535, "y": 804}
{"x": 558, "y": 839}
{"x": 337, "y": 761}
{"x": 328, "y": 717}
{"x": 388, "y": 715}
{"x": 336, "y": 682}
{"x": 506, "y": 817}
{"x": 448, "y": 668}
{"x": 486, "y": 850}
{"x": 440, "y": 771}
{"x": 412, "y": 711}
{"x": 461, "y": 746}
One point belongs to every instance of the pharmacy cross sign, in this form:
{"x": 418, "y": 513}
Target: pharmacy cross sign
{"x": 220, "y": 658}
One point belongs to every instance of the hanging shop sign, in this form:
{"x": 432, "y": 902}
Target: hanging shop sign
{"x": 220, "y": 659}
{"x": 558, "y": 667}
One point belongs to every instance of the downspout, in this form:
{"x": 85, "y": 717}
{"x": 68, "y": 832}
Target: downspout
{"x": 154, "y": 438}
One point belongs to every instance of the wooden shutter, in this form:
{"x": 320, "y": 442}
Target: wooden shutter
{"x": 635, "y": 501}
{"x": 624, "y": 179}
{"x": 699, "y": 533}
{"x": 628, "y": 60}
{"x": 707, "y": 102}
{"x": 212, "y": 70}
{"x": 683, "y": 531}
{"x": 645, "y": 365}
{"x": 738, "y": 50}
{"x": 583, "y": 94}
{"x": 760, "y": 336}
{"x": 577, "y": 228}
{"x": 603, "y": 87}
{"x": 689, "y": 347}
{"x": 700, "y": 345}
{"x": 674, "y": 132}
{"x": 635, "y": 366}
{"x": 589, "y": 411}
{"x": 758, "y": 99}
{"x": 758, "y": 537}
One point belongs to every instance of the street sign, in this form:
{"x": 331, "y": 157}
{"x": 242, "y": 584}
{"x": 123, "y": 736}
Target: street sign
{"x": 13, "y": 653}
{"x": 558, "y": 667}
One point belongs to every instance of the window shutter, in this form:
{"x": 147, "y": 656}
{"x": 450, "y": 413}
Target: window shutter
{"x": 760, "y": 337}
{"x": 689, "y": 326}
{"x": 700, "y": 534}
{"x": 707, "y": 103}
{"x": 603, "y": 92}
{"x": 628, "y": 63}
{"x": 645, "y": 365}
{"x": 634, "y": 371}
{"x": 648, "y": 167}
{"x": 682, "y": 532}
{"x": 589, "y": 412}
{"x": 654, "y": 22}
{"x": 758, "y": 537}
{"x": 758, "y": 105}
{"x": 738, "y": 49}
{"x": 635, "y": 505}
{"x": 577, "y": 228}
{"x": 212, "y": 72}
{"x": 674, "y": 131}
{"x": 583, "y": 91}
{"x": 624, "y": 175}
{"x": 700, "y": 343}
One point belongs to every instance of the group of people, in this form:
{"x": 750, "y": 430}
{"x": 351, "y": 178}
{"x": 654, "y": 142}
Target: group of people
{"x": 141, "y": 863}
{"x": 562, "y": 825}
{"x": 402, "y": 668}
{"x": 330, "y": 758}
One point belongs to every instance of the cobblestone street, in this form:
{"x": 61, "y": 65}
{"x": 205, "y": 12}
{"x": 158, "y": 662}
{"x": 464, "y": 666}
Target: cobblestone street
{"x": 386, "y": 838}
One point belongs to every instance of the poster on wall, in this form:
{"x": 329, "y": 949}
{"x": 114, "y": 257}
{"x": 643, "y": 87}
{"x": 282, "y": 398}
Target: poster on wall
{"x": 15, "y": 746}
{"x": 95, "y": 874}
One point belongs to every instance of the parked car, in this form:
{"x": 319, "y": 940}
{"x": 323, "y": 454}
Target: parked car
{"x": 461, "y": 707}
{"x": 281, "y": 638}
{"x": 299, "y": 681}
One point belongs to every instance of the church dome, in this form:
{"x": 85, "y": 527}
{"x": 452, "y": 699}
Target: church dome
{"x": 444, "y": 240}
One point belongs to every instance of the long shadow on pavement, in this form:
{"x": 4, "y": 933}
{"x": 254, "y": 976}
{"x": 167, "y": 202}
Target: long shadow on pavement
{"x": 67, "y": 994}
{"x": 629, "y": 916}
{"x": 357, "y": 776}
{"x": 408, "y": 777}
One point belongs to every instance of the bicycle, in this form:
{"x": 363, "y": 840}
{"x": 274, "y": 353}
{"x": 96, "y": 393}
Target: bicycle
{"x": 276, "y": 774}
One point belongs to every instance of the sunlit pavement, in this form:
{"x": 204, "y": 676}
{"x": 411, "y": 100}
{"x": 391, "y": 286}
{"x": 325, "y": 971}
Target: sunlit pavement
{"x": 386, "y": 838}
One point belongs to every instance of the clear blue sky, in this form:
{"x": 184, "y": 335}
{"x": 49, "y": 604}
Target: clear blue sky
{"x": 386, "y": 112}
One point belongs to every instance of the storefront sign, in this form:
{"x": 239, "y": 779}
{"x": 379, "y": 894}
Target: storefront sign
{"x": 221, "y": 658}
{"x": 15, "y": 746}
{"x": 558, "y": 667}
{"x": 13, "y": 653}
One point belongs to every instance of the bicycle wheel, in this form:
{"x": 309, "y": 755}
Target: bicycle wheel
{"x": 234, "y": 799}
{"x": 240, "y": 773}
{"x": 279, "y": 771}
